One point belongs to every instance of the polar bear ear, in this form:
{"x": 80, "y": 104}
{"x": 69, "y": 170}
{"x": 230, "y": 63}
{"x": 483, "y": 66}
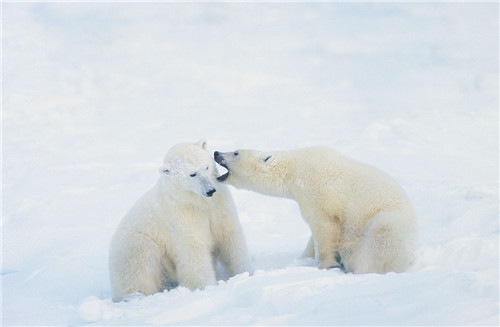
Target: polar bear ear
{"x": 164, "y": 170}
{"x": 202, "y": 144}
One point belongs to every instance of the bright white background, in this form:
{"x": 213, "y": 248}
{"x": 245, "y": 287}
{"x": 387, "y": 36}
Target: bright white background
{"x": 94, "y": 94}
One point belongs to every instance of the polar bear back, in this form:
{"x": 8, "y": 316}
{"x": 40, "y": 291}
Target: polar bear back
{"x": 325, "y": 177}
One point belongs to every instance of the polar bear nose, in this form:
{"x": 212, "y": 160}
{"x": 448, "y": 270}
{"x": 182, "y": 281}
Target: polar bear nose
{"x": 217, "y": 156}
{"x": 210, "y": 192}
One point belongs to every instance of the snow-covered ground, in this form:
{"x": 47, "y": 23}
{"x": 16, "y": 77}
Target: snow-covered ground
{"x": 95, "y": 93}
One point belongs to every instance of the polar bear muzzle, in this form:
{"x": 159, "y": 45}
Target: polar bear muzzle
{"x": 219, "y": 158}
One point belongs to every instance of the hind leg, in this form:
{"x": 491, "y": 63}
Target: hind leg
{"x": 387, "y": 244}
{"x": 135, "y": 266}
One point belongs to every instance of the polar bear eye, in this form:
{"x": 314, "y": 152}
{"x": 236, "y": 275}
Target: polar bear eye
{"x": 206, "y": 168}
{"x": 193, "y": 175}
{"x": 236, "y": 153}
{"x": 265, "y": 160}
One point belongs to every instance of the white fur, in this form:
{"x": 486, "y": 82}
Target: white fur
{"x": 175, "y": 232}
{"x": 354, "y": 211}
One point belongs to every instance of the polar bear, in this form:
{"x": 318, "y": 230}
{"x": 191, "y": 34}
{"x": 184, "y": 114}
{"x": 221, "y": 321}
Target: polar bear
{"x": 174, "y": 234}
{"x": 360, "y": 218}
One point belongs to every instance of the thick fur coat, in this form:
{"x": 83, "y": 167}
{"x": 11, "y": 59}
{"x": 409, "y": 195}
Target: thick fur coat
{"x": 360, "y": 218}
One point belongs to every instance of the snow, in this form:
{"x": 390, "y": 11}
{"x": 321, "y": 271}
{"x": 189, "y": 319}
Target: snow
{"x": 94, "y": 94}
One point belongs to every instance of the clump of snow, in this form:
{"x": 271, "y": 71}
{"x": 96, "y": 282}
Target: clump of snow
{"x": 94, "y": 94}
{"x": 93, "y": 309}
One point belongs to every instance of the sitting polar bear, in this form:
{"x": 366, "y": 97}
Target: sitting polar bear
{"x": 360, "y": 219}
{"x": 175, "y": 232}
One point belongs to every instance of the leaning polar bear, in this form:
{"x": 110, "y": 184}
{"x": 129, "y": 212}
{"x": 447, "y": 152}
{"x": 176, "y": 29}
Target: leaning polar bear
{"x": 360, "y": 219}
{"x": 174, "y": 234}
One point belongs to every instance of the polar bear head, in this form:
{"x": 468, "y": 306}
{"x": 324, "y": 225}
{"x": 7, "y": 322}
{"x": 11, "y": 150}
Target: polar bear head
{"x": 189, "y": 167}
{"x": 264, "y": 172}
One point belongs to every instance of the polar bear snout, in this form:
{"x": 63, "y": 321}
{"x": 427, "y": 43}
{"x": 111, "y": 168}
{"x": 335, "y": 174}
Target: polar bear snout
{"x": 210, "y": 192}
{"x": 219, "y": 158}
{"x": 205, "y": 186}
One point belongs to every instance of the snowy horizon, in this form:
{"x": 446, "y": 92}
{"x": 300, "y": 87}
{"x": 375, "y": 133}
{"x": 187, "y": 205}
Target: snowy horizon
{"x": 94, "y": 94}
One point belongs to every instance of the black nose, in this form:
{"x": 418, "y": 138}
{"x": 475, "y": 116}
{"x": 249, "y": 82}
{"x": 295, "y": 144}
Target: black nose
{"x": 210, "y": 192}
{"x": 218, "y": 158}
